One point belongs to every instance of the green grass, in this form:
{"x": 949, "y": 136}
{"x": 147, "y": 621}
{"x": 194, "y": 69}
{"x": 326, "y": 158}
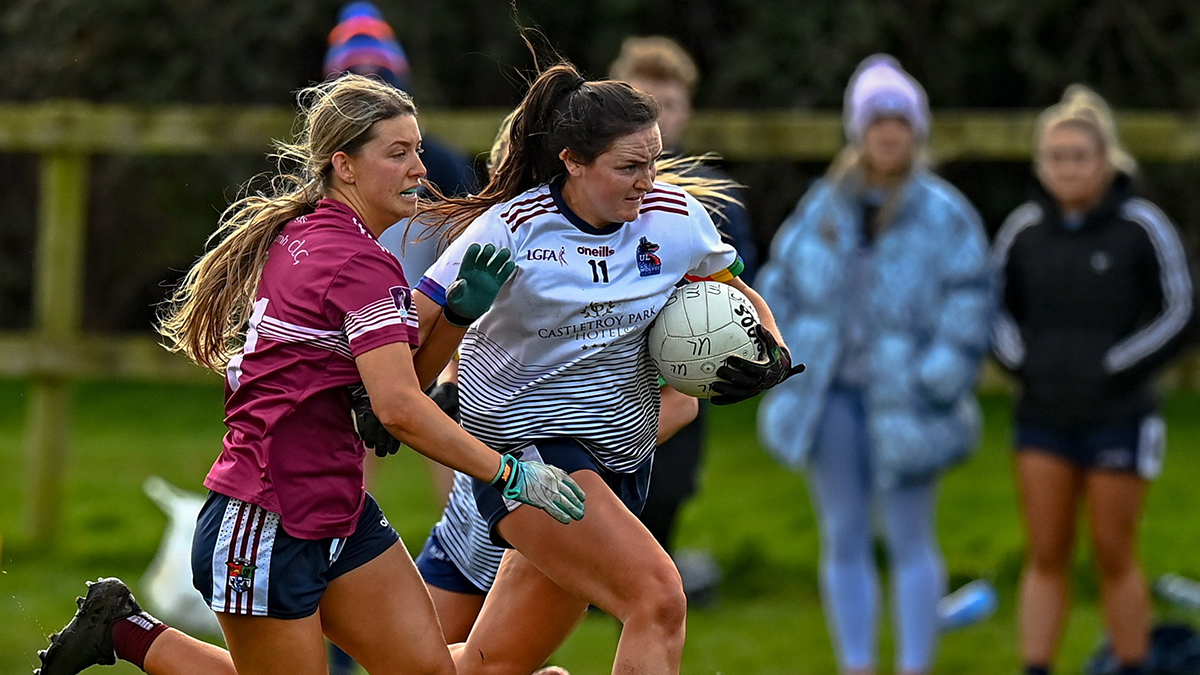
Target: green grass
{"x": 754, "y": 516}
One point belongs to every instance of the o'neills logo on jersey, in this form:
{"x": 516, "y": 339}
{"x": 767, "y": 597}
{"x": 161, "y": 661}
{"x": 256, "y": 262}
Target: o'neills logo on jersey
{"x": 559, "y": 256}
{"x": 596, "y": 252}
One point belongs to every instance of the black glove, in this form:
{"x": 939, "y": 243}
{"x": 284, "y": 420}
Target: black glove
{"x": 743, "y": 379}
{"x": 445, "y": 395}
{"x": 369, "y": 428}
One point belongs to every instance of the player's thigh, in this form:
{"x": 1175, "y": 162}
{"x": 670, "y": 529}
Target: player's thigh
{"x": 1115, "y": 501}
{"x": 262, "y": 645}
{"x": 526, "y": 613}
{"x": 455, "y": 611}
{"x": 608, "y": 558}
{"x": 381, "y": 615}
{"x": 1050, "y": 488}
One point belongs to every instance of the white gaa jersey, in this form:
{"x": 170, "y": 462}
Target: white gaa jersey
{"x": 463, "y": 534}
{"x": 562, "y": 352}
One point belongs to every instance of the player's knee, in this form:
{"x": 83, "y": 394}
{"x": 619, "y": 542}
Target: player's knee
{"x": 432, "y": 661}
{"x": 442, "y": 666}
{"x": 1050, "y": 560}
{"x": 661, "y": 600}
{"x": 1114, "y": 560}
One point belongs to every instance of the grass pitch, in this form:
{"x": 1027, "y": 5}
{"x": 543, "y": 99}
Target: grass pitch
{"x": 754, "y": 516}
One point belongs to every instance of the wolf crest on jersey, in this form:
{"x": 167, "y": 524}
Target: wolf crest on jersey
{"x": 562, "y": 352}
{"x": 648, "y": 263}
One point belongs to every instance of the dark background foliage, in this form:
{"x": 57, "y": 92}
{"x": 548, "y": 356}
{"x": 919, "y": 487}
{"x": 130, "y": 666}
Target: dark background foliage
{"x": 150, "y": 215}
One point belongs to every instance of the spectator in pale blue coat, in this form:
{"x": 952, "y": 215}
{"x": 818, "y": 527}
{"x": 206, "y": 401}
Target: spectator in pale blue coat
{"x": 880, "y": 279}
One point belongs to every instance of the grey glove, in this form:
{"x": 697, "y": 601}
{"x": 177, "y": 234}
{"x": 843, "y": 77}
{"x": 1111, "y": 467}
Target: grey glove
{"x": 547, "y": 487}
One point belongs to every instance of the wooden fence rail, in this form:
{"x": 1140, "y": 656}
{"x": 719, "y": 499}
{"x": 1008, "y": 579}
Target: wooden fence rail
{"x": 66, "y": 133}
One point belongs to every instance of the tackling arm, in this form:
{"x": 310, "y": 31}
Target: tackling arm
{"x": 675, "y": 411}
{"x": 439, "y": 340}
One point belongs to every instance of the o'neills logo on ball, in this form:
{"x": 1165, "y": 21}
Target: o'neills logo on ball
{"x": 596, "y": 252}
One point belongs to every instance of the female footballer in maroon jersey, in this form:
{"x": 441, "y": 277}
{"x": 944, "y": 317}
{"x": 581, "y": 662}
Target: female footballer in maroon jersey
{"x": 298, "y": 304}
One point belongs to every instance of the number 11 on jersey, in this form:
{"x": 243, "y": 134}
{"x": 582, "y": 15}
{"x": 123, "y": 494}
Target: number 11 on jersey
{"x": 599, "y": 271}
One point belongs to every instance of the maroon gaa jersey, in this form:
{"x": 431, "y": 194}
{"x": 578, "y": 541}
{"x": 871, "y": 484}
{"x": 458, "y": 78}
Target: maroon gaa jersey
{"x": 329, "y": 292}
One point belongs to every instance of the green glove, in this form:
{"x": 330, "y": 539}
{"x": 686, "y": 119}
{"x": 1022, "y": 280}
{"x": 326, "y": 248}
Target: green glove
{"x": 483, "y": 272}
{"x": 547, "y": 487}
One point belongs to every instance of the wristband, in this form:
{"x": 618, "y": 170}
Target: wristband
{"x": 506, "y": 476}
{"x": 455, "y": 318}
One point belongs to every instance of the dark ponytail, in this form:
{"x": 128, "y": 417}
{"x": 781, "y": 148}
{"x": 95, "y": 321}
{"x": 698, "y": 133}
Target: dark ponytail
{"x": 561, "y": 111}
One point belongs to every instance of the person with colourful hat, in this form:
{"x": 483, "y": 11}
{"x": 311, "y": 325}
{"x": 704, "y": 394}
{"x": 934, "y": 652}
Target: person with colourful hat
{"x": 363, "y": 42}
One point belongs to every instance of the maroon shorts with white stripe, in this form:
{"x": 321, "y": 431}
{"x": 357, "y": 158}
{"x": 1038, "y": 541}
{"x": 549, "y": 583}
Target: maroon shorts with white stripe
{"x": 244, "y": 563}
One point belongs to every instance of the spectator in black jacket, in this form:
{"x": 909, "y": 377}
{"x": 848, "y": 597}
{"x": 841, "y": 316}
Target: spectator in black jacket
{"x": 1096, "y": 298}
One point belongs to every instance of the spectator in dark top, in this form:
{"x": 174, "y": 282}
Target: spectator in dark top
{"x": 362, "y": 42}
{"x": 1096, "y": 298}
{"x": 660, "y": 67}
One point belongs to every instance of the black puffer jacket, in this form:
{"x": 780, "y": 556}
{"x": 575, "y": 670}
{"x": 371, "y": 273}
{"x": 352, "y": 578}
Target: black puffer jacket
{"x": 1088, "y": 315}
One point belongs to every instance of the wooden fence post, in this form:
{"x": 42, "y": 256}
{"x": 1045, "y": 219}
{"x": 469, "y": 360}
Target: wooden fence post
{"x": 58, "y": 305}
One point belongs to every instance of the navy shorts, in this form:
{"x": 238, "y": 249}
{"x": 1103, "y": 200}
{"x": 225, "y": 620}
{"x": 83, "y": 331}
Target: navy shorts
{"x": 1134, "y": 447}
{"x": 438, "y": 570}
{"x": 570, "y": 456}
{"x": 244, "y": 563}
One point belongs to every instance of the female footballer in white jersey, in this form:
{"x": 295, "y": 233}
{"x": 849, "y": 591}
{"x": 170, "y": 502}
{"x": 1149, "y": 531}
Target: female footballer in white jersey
{"x": 459, "y": 561}
{"x": 558, "y": 369}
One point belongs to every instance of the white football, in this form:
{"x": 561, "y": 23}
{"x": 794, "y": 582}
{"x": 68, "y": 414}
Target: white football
{"x": 701, "y": 324}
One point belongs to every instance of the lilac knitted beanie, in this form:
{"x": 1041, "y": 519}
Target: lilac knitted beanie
{"x": 881, "y": 88}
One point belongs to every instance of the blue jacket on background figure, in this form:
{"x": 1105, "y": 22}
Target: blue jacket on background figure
{"x": 926, "y": 320}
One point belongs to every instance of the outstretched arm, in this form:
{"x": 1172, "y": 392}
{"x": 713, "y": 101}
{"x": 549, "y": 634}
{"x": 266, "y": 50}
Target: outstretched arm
{"x": 400, "y": 404}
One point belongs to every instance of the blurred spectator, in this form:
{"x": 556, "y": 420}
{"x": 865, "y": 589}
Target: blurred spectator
{"x": 879, "y": 279}
{"x": 1096, "y": 298}
{"x": 660, "y": 67}
{"x": 362, "y": 42}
